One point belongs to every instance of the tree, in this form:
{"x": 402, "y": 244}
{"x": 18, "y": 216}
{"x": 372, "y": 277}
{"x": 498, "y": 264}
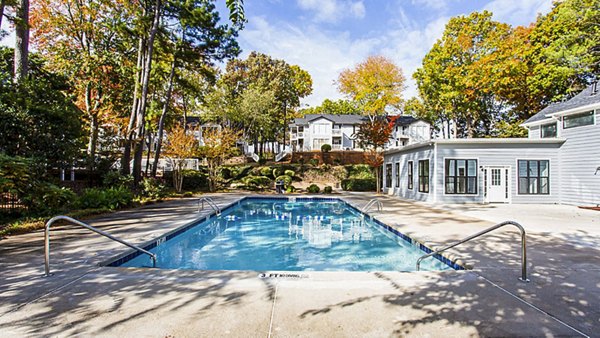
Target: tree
{"x": 288, "y": 84}
{"x": 457, "y": 76}
{"x": 374, "y": 85}
{"x": 82, "y": 40}
{"x": 21, "y": 61}
{"x": 36, "y": 113}
{"x": 181, "y": 145}
{"x": 219, "y": 144}
{"x": 338, "y": 107}
{"x": 372, "y": 135}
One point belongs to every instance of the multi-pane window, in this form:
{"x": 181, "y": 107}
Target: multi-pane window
{"x": 388, "y": 175}
{"x": 424, "y": 176}
{"x": 548, "y": 130}
{"x": 460, "y": 176}
{"x": 397, "y": 174}
{"x": 534, "y": 177}
{"x": 410, "y": 175}
{"x": 578, "y": 120}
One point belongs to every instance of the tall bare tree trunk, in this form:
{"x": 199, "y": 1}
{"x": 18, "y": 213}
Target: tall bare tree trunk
{"x": 161, "y": 122}
{"x": 125, "y": 167}
{"x": 21, "y": 64}
{"x": 2, "y": 5}
{"x": 141, "y": 112}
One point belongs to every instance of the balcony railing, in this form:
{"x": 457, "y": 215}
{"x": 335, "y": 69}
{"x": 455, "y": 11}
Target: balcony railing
{"x": 336, "y": 132}
{"x": 336, "y": 146}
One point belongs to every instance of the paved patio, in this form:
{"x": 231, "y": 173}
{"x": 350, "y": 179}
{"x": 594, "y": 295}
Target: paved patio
{"x": 84, "y": 299}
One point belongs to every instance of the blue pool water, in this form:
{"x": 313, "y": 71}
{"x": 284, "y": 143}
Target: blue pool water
{"x": 276, "y": 234}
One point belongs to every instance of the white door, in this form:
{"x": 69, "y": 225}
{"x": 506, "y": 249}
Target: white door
{"x": 497, "y": 189}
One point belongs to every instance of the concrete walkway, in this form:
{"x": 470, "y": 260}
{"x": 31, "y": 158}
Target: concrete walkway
{"x": 562, "y": 299}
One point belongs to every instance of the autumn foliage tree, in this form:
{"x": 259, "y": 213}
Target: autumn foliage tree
{"x": 181, "y": 145}
{"x": 372, "y": 136}
{"x": 218, "y": 145}
{"x": 373, "y": 85}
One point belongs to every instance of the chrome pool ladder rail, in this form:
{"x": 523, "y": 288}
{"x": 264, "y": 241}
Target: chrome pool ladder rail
{"x": 523, "y": 277}
{"x": 210, "y": 202}
{"x": 89, "y": 227}
{"x": 373, "y": 203}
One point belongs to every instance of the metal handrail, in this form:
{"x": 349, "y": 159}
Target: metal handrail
{"x": 89, "y": 227}
{"x": 371, "y": 203}
{"x": 210, "y": 202}
{"x": 523, "y": 277}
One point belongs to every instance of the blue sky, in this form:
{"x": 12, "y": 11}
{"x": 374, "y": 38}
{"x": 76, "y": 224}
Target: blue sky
{"x": 326, "y": 36}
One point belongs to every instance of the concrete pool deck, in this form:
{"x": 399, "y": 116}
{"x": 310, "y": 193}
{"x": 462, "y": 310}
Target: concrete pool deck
{"x": 562, "y": 299}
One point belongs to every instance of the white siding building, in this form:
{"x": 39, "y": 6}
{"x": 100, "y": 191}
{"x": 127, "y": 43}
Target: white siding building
{"x": 313, "y": 130}
{"x": 558, "y": 163}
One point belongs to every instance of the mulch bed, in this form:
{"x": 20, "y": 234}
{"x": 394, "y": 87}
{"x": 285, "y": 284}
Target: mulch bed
{"x": 591, "y": 208}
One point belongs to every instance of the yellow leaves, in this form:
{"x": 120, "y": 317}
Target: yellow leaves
{"x": 374, "y": 83}
{"x": 181, "y": 144}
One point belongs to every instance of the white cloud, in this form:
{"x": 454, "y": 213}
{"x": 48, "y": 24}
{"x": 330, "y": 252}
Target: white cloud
{"x": 520, "y": 12}
{"x": 323, "y": 54}
{"x": 333, "y": 10}
{"x": 438, "y": 5}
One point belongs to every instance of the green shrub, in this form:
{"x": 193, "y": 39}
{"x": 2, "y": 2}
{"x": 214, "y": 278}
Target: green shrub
{"x": 111, "y": 198}
{"x": 277, "y": 172}
{"x": 188, "y": 194}
{"x": 337, "y": 161}
{"x": 361, "y": 171}
{"x": 153, "y": 188}
{"x": 326, "y": 148}
{"x": 313, "y": 162}
{"x": 193, "y": 180}
{"x": 226, "y": 173}
{"x": 289, "y": 173}
{"x": 48, "y": 198}
{"x": 113, "y": 179}
{"x": 290, "y": 189}
{"x": 313, "y": 189}
{"x": 257, "y": 182}
{"x": 265, "y": 171}
{"x": 359, "y": 184}
{"x": 327, "y": 190}
{"x": 262, "y": 160}
{"x": 287, "y": 180}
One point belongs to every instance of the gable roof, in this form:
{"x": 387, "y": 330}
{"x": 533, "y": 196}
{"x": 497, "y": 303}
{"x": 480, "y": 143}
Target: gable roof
{"x": 586, "y": 97}
{"x": 337, "y": 119}
{"x": 404, "y": 120}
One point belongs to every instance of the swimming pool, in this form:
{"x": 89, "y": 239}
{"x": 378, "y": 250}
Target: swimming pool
{"x": 281, "y": 234}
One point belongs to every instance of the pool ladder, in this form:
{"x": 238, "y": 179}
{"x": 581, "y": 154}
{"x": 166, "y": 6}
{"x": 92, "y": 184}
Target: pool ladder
{"x": 523, "y": 277}
{"x": 373, "y": 203}
{"x": 89, "y": 227}
{"x": 210, "y": 202}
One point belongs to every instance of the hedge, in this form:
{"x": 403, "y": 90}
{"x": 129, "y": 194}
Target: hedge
{"x": 359, "y": 184}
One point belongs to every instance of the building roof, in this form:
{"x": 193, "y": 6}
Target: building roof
{"x": 586, "y": 97}
{"x": 405, "y": 120}
{"x": 338, "y": 119}
{"x": 488, "y": 141}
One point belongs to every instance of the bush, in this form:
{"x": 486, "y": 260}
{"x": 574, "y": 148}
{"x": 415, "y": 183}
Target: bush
{"x": 361, "y": 171}
{"x": 226, "y": 173}
{"x": 49, "y": 198}
{"x": 262, "y": 161}
{"x": 114, "y": 179}
{"x": 359, "y": 184}
{"x": 111, "y": 198}
{"x": 265, "y": 171}
{"x": 313, "y": 162}
{"x": 326, "y": 148}
{"x": 153, "y": 188}
{"x": 287, "y": 180}
{"x": 290, "y": 189}
{"x": 277, "y": 172}
{"x": 313, "y": 189}
{"x": 257, "y": 182}
{"x": 188, "y": 194}
{"x": 193, "y": 180}
{"x": 289, "y": 173}
{"x": 327, "y": 190}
